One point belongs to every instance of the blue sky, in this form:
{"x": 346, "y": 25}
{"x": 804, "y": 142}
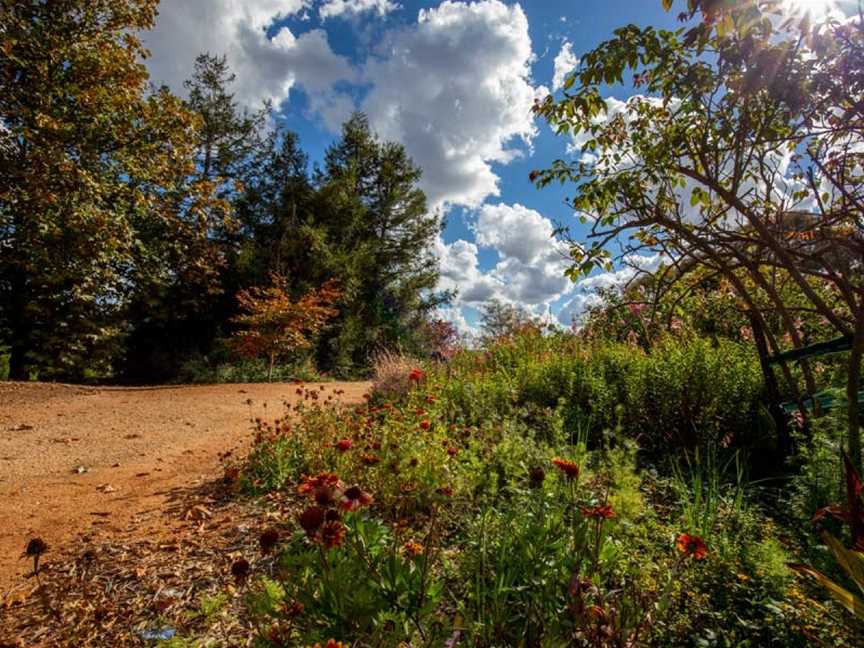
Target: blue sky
{"x": 453, "y": 81}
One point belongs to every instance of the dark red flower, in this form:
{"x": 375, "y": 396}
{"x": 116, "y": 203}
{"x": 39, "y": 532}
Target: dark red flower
{"x": 569, "y": 468}
{"x": 311, "y": 519}
{"x": 369, "y": 459}
{"x": 536, "y": 477}
{"x": 332, "y": 534}
{"x": 416, "y": 375}
{"x": 452, "y": 451}
{"x": 425, "y": 424}
{"x": 344, "y": 445}
{"x": 355, "y": 498}
{"x": 446, "y": 491}
{"x": 692, "y": 546}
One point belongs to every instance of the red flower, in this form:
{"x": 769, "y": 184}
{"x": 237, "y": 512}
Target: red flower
{"x": 324, "y": 479}
{"x": 369, "y": 459}
{"x": 332, "y": 643}
{"x": 430, "y": 399}
{"x": 569, "y": 468}
{"x": 452, "y": 451}
{"x": 425, "y": 424}
{"x": 416, "y": 375}
{"x": 692, "y": 546}
{"x": 355, "y": 498}
{"x": 604, "y": 512}
{"x": 332, "y": 534}
{"x": 344, "y": 445}
{"x": 419, "y": 411}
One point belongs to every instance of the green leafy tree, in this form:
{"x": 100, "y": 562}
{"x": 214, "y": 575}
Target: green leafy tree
{"x": 742, "y": 155}
{"x": 379, "y": 232}
{"x": 98, "y": 199}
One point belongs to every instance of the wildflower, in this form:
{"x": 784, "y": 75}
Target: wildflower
{"x": 268, "y": 540}
{"x": 322, "y": 480}
{"x": 355, "y": 498}
{"x": 430, "y": 399}
{"x": 692, "y": 546}
{"x": 412, "y": 549}
{"x": 240, "y": 570}
{"x": 332, "y": 534}
{"x": 311, "y": 519}
{"x": 414, "y": 461}
{"x": 293, "y": 609}
{"x": 344, "y": 445}
{"x": 332, "y": 643}
{"x": 446, "y": 491}
{"x": 569, "y": 468}
{"x": 420, "y": 411}
{"x": 326, "y": 496}
{"x": 452, "y": 451}
{"x": 425, "y": 424}
{"x": 604, "y": 512}
{"x": 416, "y": 375}
{"x": 369, "y": 459}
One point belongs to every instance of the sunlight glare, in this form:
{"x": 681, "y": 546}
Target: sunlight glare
{"x": 816, "y": 8}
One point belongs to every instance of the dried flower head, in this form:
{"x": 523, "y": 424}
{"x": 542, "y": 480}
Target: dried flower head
{"x": 268, "y": 540}
{"x": 536, "y": 477}
{"x": 240, "y": 569}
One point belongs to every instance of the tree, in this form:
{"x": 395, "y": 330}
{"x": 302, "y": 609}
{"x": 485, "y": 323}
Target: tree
{"x": 499, "y": 320}
{"x": 274, "y": 326}
{"x": 379, "y": 236}
{"x": 98, "y": 200}
{"x": 743, "y": 155}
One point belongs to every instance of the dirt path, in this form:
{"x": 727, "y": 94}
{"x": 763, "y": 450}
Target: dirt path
{"x": 78, "y": 463}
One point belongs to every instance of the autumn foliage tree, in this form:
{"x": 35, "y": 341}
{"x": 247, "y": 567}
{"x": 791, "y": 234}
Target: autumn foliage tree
{"x": 99, "y": 203}
{"x": 274, "y": 326}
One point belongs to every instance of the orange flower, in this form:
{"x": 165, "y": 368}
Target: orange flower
{"x": 692, "y": 546}
{"x": 416, "y": 375}
{"x": 412, "y": 549}
{"x": 569, "y": 468}
{"x": 332, "y": 643}
{"x": 604, "y": 512}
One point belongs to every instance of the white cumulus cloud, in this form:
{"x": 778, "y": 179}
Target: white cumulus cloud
{"x": 565, "y": 62}
{"x": 335, "y": 8}
{"x": 456, "y": 90}
{"x": 265, "y": 68}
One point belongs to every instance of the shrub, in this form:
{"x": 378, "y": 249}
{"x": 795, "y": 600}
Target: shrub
{"x": 391, "y": 375}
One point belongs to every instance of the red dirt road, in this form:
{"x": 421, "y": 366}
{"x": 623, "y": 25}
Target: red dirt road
{"x": 82, "y": 463}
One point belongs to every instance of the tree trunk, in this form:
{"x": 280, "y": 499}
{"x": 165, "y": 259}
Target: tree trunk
{"x": 270, "y": 368}
{"x": 853, "y": 385}
{"x": 784, "y": 438}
